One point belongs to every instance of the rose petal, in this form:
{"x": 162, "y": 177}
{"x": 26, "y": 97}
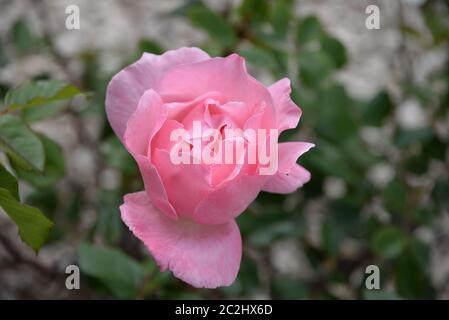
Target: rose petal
{"x": 288, "y": 113}
{"x": 127, "y": 87}
{"x": 290, "y": 176}
{"x": 287, "y": 182}
{"x": 144, "y": 123}
{"x": 225, "y": 75}
{"x": 186, "y": 184}
{"x": 229, "y": 200}
{"x": 201, "y": 255}
{"x": 154, "y": 186}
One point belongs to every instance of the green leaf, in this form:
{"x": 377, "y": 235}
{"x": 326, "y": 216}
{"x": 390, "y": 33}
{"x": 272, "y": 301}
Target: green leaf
{"x": 22, "y": 144}
{"x": 214, "y": 24}
{"x": 376, "y": 110}
{"x": 260, "y": 57}
{"x": 315, "y": 67}
{"x": 109, "y": 224}
{"x": 119, "y": 273}
{"x": 44, "y": 111}
{"x": 3, "y": 56}
{"x": 412, "y": 281}
{"x": 9, "y": 182}
{"x": 331, "y": 237}
{"x": 389, "y": 242}
{"x": 254, "y": 11}
{"x": 309, "y": 30}
{"x": 380, "y": 295}
{"x": 281, "y": 17}
{"x": 148, "y": 45}
{"x": 288, "y": 288}
{"x": 39, "y": 93}
{"x": 117, "y": 157}
{"x": 337, "y": 119}
{"x": 404, "y": 138}
{"x": 54, "y": 168}
{"x": 335, "y": 50}
{"x": 394, "y": 197}
{"x": 21, "y": 37}
{"x": 34, "y": 227}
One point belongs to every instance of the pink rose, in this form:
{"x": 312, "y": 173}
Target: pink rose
{"x": 186, "y": 215}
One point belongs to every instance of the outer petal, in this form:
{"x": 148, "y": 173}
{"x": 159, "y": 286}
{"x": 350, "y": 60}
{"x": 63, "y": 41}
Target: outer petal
{"x": 288, "y": 113}
{"x": 126, "y": 88}
{"x": 185, "y": 184}
{"x": 201, "y": 255}
{"x": 230, "y": 200}
{"x": 154, "y": 186}
{"x": 290, "y": 176}
{"x": 144, "y": 123}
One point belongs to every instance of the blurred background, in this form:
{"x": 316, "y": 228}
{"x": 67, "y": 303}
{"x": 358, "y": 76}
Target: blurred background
{"x": 375, "y": 102}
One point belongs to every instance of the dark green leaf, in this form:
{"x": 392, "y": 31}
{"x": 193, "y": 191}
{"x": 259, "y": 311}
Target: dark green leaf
{"x": 281, "y": 17}
{"x": 34, "y": 227}
{"x": 315, "y": 67}
{"x": 335, "y": 50}
{"x": 394, "y": 196}
{"x": 17, "y": 139}
{"x": 309, "y": 30}
{"x": 377, "y": 109}
{"x": 39, "y": 93}
{"x": 54, "y": 168}
{"x": 9, "y": 182}
{"x": 109, "y": 224}
{"x": 288, "y": 288}
{"x": 44, "y": 111}
{"x": 214, "y": 24}
{"x": 379, "y": 295}
{"x": 254, "y": 11}
{"x": 406, "y": 138}
{"x": 21, "y": 36}
{"x": 118, "y": 272}
{"x": 412, "y": 281}
{"x": 151, "y": 46}
{"x": 389, "y": 242}
{"x": 331, "y": 237}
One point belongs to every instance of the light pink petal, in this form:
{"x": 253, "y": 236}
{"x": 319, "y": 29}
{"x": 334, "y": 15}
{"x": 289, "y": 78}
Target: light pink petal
{"x": 288, "y": 113}
{"x": 185, "y": 184}
{"x": 225, "y": 75}
{"x": 202, "y": 255}
{"x": 239, "y": 112}
{"x": 154, "y": 186}
{"x": 287, "y": 182}
{"x": 290, "y": 176}
{"x": 127, "y": 87}
{"x": 178, "y": 110}
{"x": 230, "y": 200}
{"x": 162, "y": 139}
{"x": 144, "y": 123}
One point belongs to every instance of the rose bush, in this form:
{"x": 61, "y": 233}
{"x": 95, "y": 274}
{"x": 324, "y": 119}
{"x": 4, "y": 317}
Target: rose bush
{"x": 186, "y": 215}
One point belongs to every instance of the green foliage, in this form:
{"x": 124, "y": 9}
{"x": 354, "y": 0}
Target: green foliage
{"x": 34, "y": 227}
{"x": 214, "y": 24}
{"x": 389, "y": 242}
{"x": 38, "y": 93}
{"x": 54, "y": 168}
{"x": 119, "y": 273}
{"x": 34, "y": 157}
{"x": 21, "y": 143}
{"x": 9, "y": 182}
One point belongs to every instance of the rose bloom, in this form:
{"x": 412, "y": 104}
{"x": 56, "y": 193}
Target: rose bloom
{"x": 186, "y": 214}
